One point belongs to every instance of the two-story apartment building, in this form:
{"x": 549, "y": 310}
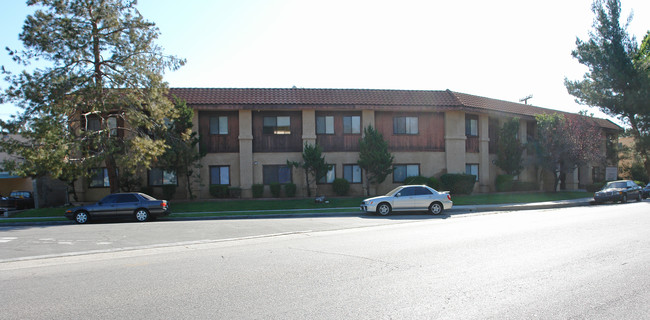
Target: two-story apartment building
{"x": 249, "y": 134}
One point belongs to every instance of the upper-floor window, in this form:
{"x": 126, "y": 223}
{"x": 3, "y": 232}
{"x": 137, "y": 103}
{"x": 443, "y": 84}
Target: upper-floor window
{"x": 471, "y": 125}
{"x": 404, "y": 171}
{"x": 93, "y": 124}
{"x": 325, "y": 125}
{"x": 277, "y": 125}
{"x": 112, "y": 125}
{"x": 352, "y": 124}
{"x": 405, "y": 125}
{"x": 219, "y": 125}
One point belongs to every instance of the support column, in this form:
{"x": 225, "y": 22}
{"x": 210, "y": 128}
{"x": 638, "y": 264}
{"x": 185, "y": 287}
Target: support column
{"x": 308, "y": 127}
{"x": 484, "y": 154}
{"x": 455, "y": 141}
{"x": 246, "y": 153}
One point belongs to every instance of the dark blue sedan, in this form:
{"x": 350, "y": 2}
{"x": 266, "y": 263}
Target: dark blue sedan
{"x": 140, "y": 206}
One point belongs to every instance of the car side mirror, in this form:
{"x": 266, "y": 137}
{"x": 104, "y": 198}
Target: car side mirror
{"x": 398, "y": 195}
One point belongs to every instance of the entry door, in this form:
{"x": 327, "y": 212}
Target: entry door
{"x": 405, "y": 199}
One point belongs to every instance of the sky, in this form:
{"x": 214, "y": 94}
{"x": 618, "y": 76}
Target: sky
{"x": 502, "y": 49}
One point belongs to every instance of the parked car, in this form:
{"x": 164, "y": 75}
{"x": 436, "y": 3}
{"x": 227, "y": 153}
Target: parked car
{"x": 409, "y": 198}
{"x": 645, "y": 192}
{"x": 18, "y": 200}
{"x": 140, "y": 206}
{"x": 620, "y": 190}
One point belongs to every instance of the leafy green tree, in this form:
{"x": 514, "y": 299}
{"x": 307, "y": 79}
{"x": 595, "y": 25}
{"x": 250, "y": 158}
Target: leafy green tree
{"x": 618, "y": 80}
{"x": 565, "y": 144}
{"x": 509, "y": 149}
{"x": 374, "y": 157}
{"x": 314, "y": 165}
{"x": 183, "y": 154}
{"x": 98, "y": 63}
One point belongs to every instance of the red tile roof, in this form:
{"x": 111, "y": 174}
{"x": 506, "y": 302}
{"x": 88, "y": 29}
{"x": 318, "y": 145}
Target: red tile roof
{"x": 360, "y": 97}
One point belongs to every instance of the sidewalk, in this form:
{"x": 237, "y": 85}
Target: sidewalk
{"x": 353, "y": 211}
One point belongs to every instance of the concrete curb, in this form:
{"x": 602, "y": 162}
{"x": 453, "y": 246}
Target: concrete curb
{"x": 456, "y": 210}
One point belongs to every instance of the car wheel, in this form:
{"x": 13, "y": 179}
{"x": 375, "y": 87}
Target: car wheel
{"x": 384, "y": 209}
{"x": 435, "y": 208}
{"x": 141, "y": 215}
{"x": 624, "y": 199}
{"x": 81, "y": 217}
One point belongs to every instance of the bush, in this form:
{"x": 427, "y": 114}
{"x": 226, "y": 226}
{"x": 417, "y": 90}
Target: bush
{"x": 168, "y": 191}
{"x": 525, "y": 186}
{"x": 219, "y": 190}
{"x": 258, "y": 190}
{"x": 147, "y": 190}
{"x": 234, "y": 192}
{"x": 416, "y": 180}
{"x": 504, "y": 182}
{"x": 341, "y": 186}
{"x": 595, "y": 186}
{"x": 275, "y": 189}
{"x": 434, "y": 183}
{"x": 458, "y": 183}
{"x": 290, "y": 190}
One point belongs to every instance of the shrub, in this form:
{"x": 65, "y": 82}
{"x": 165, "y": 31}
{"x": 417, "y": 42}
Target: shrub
{"x": 258, "y": 190}
{"x": 290, "y": 190}
{"x": 341, "y": 186}
{"x": 525, "y": 186}
{"x": 219, "y": 190}
{"x": 168, "y": 191}
{"x": 234, "y": 192}
{"x": 433, "y": 182}
{"x": 148, "y": 190}
{"x": 595, "y": 186}
{"x": 504, "y": 182}
{"x": 458, "y": 183}
{"x": 275, "y": 189}
{"x": 416, "y": 180}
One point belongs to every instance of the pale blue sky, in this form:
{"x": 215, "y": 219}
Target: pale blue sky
{"x": 500, "y": 49}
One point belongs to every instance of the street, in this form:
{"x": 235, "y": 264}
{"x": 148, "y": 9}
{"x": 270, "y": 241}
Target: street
{"x": 585, "y": 263}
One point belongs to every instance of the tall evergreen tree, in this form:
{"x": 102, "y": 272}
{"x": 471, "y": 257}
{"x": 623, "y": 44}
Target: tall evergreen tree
{"x": 618, "y": 80}
{"x": 98, "y": 86}
{"x": 374, "y": 157}
{"x": 509, "y": 149}
{"x": 314, "y": 165}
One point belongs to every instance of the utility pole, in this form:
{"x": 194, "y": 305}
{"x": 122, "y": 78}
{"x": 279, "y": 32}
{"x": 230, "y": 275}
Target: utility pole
{"x": 525, "y": 99}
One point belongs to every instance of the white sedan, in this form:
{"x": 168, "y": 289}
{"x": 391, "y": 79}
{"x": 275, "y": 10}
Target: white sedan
{"x": 409, "y": 198}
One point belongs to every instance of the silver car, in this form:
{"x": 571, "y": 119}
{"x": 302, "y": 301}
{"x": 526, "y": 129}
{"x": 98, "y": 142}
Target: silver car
{"x": 409, "y": 198}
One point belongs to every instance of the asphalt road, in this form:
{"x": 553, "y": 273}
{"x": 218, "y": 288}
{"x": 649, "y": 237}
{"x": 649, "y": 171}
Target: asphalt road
{"x": 585, "y": 263}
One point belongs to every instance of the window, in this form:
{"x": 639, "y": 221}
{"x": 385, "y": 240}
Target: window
{"x": 277, "y": 125}
{"x": 276, "y": 174}
{"x": 325, "y": 125}
{"x": 404, "y": 171}
{"x": 93, "y": 124}
{"x": 124, "y": 198}
{"x": 112, "y": 125}
{"x": 405, "y": 125}
{"x": 352, "y": 173}
{"x": 159, "y": 177}
{"x": 329, "y": 178}
{"x": 219, "y": 175}
{"x": 99, "y": 178}
{"x": 472, "y": 169}
{"x": 352, "y": 125}
{"x": 219, "y": 125}
{"x": 471, "y": 125}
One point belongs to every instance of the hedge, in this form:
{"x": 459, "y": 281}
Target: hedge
{"x": 290, "y": 189}
{"x": 341, "y": 186}
{"x": 458, "y": 183}
{"x": 258, "y": 190}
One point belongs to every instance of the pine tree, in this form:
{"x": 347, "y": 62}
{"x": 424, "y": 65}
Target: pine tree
{"x": 374, "y": 157}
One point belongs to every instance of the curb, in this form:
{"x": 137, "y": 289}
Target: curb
{"x": 456, "y": 210}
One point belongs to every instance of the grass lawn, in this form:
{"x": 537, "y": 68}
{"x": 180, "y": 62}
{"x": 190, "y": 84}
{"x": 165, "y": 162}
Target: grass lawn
{"x": 270, "y": 206}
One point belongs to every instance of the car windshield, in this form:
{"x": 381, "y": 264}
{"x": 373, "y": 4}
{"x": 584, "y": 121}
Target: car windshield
{"x": 619, "y": 184}
{"x": 393, "y": 192}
